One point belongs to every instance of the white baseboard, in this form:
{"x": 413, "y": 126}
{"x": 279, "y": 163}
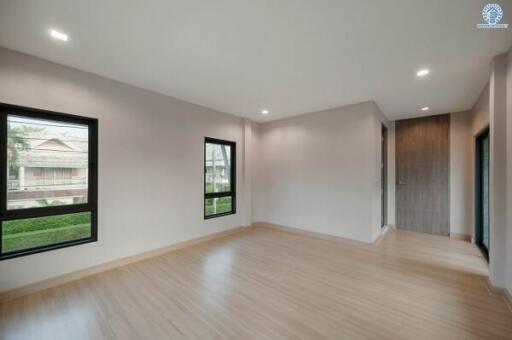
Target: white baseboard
{"x": 384, "y": 230}
{"x": 307, "y": 232}
{"x": 463, "y": 237}
{"x": 498, "y": 291}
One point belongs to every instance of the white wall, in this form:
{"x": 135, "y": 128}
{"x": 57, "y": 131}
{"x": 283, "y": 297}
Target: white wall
{"x": 247, "y": 166}
{"x": 479, "y": 116}
{"x": 500, "y": 117}
{"x": 320, "y": 172}
{"x": 509, "y": 171}
{"x": 464, "y": 128}
{"x": 256, "y": 165}
{"x": 480, "y": 113}
{"x": 150, "y": 164}
{"x": 498, "y": 170}
{"x": 461, "y": 179}
{"x": 493, "y": 109}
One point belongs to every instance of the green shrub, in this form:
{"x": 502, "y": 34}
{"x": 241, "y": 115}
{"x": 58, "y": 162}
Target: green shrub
{"x": 29, "y": 240}
{"x": 45, "y": 223}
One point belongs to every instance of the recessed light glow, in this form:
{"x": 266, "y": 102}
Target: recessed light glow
{"x": 422, "y": 73}
{"x": 59, "y": 35}
{"x": 426, "y": 108}
{"x": 265, "y": 112}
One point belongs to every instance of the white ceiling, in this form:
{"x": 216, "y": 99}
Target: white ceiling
{"x": 290, "y": 56}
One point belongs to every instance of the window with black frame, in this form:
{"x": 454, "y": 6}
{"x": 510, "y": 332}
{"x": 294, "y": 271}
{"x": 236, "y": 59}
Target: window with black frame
{"x": 482, "y": 193}
{"x": 48, "y": 181}
{"x": 219, "y": 178}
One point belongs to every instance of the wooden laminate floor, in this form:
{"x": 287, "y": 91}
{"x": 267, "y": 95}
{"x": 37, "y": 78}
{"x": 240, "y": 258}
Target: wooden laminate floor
{"x": 271, "y": 284}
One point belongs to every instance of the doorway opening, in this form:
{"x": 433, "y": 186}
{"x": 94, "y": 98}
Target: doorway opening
{"x": 384, "y": 177}
{"x": 482, "y": 206}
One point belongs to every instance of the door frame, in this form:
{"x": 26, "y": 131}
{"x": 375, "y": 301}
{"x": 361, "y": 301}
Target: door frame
{"x": 478, "y": 193}
{"x": 384, "y": 176}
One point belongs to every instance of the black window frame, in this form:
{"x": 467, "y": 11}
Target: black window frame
{"x": 232, "y": 192}
{"x": 92, "y": 195}
{"x": 479, "y": 218}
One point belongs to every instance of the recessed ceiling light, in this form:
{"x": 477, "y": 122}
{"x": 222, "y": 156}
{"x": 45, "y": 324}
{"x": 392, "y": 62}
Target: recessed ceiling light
{"x": 426, "y": 108}
{"x": 423, "y": 72}
{"x": 59, "y": 35}
{"x": 265, "y": 112}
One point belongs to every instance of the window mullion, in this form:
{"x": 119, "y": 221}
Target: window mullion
{"x": 3, "y": 164}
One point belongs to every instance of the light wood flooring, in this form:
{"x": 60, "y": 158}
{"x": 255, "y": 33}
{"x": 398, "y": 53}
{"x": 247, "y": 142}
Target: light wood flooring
{"x": 271, "y": 284}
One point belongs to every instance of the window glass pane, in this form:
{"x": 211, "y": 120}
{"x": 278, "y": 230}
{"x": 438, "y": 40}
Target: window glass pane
{"x": 219, "y": 205}
{"x": 218, "y": 168}
{"x": 43, "y": 231}
{"x": 485, "y": 192}
{"x": 47, "y": 163}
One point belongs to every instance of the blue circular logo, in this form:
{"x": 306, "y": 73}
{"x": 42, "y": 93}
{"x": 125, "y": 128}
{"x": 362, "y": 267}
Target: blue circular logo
{"x": 492, "y": 13}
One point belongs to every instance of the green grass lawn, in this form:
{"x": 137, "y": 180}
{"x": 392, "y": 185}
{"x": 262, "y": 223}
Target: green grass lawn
{"x": 40, "y": 231}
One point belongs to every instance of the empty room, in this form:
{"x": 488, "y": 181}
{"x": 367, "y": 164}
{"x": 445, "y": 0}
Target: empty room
{"x": 263, "y": 169}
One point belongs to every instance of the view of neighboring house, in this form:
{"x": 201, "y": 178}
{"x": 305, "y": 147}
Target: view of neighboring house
{"x": 50, "y": 167}
{"x": 217, "y": 165}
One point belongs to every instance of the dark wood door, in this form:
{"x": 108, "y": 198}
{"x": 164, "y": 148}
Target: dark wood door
{"x": 423, "y": 174}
